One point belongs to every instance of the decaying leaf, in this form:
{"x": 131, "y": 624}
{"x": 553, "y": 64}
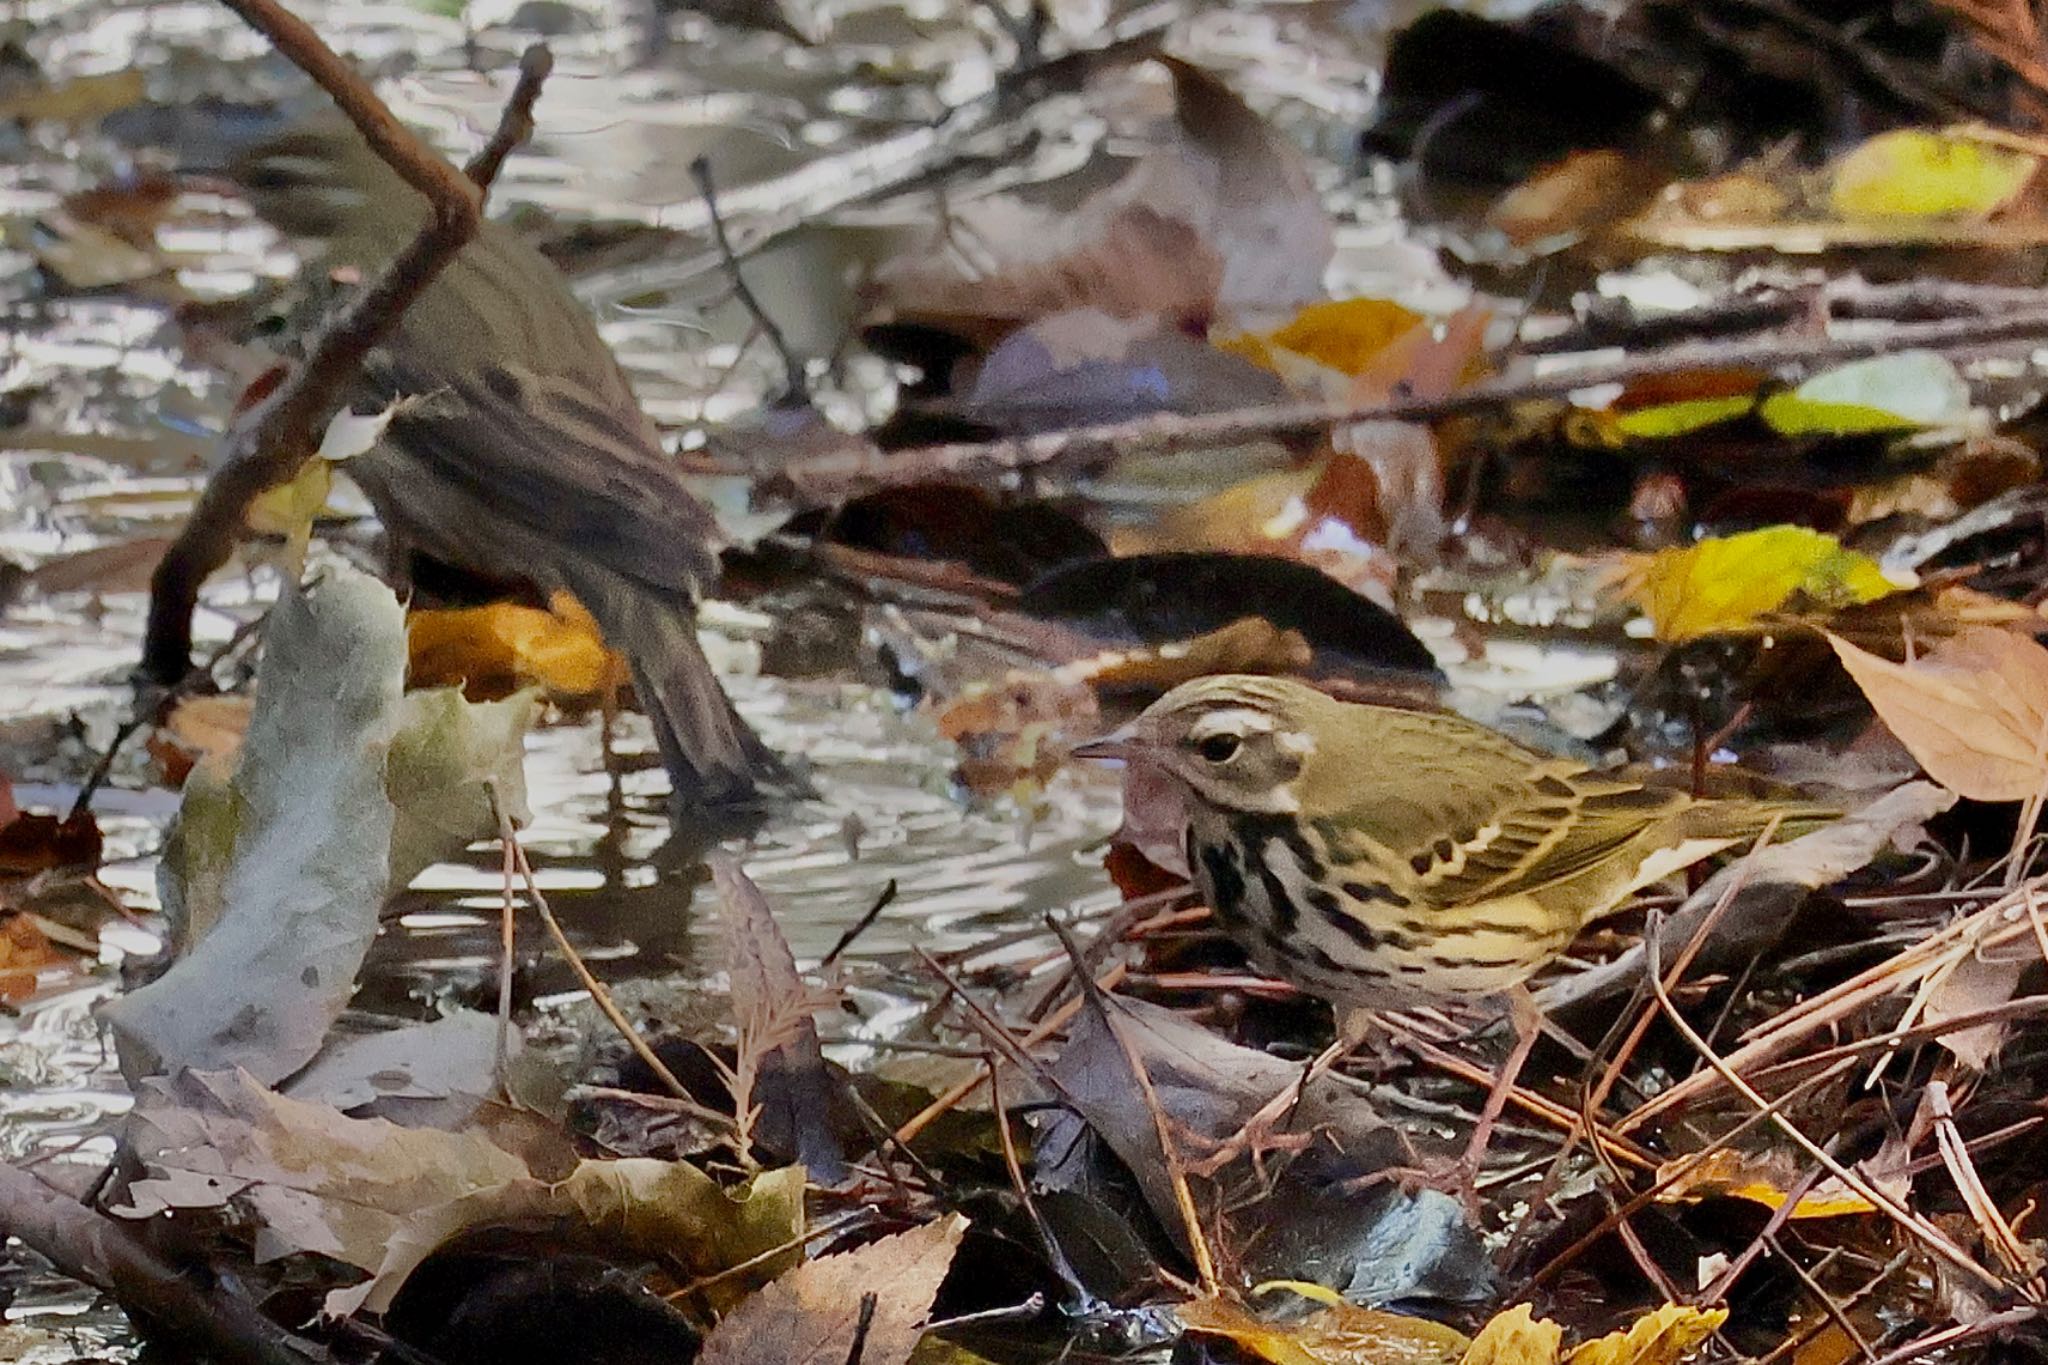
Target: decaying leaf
{"x": 1728, "y": 582}
{"x": 780, "y": 1065}
{"x": 309, "y": 1178}
{"x": 629, "y": 1210}
{"x": 1973, "y": 710}
{"x": 272, "y": 879}
{"x": 810, "y": 1315}
{"x": 273, "y": 875}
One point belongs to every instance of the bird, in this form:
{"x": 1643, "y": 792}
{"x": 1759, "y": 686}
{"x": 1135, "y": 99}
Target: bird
{"x": 1382, "y": 858}
{"x": 519, "y": 450}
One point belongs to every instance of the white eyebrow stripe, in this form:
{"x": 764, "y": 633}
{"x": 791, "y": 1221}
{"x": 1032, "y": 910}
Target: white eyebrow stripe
{"x": 1238, "y": 720}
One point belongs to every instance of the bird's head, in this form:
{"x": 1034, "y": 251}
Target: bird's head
{"x": 320, "y": 179}
{"x": 1237, "y": 742}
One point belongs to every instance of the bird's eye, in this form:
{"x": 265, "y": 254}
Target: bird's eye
{"x": 1219, "y": 748}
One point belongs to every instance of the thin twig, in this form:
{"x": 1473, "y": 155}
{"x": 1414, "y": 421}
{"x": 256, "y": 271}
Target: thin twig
{"x": 1169, "y": 1150}
{"x": 849, "y": 472}
{"x": 596, "y": 989}
{"x": 797, "y": 391}
{"x": 1932, "y": 1237}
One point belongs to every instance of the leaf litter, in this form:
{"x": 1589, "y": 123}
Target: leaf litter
{"x": 1137, "y": 387}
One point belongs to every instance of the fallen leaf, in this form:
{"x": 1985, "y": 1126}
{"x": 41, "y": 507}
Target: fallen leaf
{"x": 1730, "y": 1174}
{"x": 1973, "y": 710}
{"x": 1339, "y": 1334}
{"x": 451, "y": 767}
{"x": 1728, "y": 582}
{"x": 272, "y": 878}
{"x": 632, "y": 1210}
{"x": 82, "y": 100}
{"x": 47, "y": 843}
{"x": 811, "y": 1315}
{"x": 1662, "y": 1336}
{"x": 200, "y": 731}
{"x": 25, "y": 953}
{"x": 1902, "y": 391}
{"x": 1343, "y": 335}
{"x": 309, "y": 1178}
{"x": 1918, "y": 173}
{"x": 1516, "y": 1336}
{"x": 493, "y": 651}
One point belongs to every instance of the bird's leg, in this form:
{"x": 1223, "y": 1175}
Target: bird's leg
{"x": 1461, "y": 1177}
{"x": 1528, "y": 1025}
{"x": 1266, "y": 1130}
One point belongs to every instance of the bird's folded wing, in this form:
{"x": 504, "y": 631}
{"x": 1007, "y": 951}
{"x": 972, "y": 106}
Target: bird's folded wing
{"x": 553, "y": 457}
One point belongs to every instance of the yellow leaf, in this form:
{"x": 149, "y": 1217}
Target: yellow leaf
{"x": 1730, "y": 1174}
{"x": 1903, "y": 391}
{"x": 1973, "y": 711}
{"x": 1345, "y": 335}
{"x": 1913, "y": 173}
{"x": 1729, "y": 582}
{"x": 493, "y": 651}
{"x": 289, "y": 510}
{"x": 1340, "y": 1335}
{"x": 1681, "y": 418}
{"x": 1660, "y": 1337}
{"x": 1515, "y": 1336}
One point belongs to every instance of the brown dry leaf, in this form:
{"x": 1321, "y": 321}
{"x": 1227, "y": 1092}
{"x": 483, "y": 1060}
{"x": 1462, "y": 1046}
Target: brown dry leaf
{"x": 1222, "y": 212}
{"x": 124, "y": 566}
{"x": 493, "y": 651}
{"x": 1251, "y": 644}
{"x": 1516, "y": 1336}
{"x": 1973, "y": 710}
{"x": 308, "y": 1177}
{"x": 47, "y": 843}
{"x": 1586, "y": 192}
{"x": 1662, "y": 1336}
{"x": 25, "y": 953}
{"x": 200, "y": 732}
{"x": 1342, "y": 1334}
{"x": 810, "y": 1315}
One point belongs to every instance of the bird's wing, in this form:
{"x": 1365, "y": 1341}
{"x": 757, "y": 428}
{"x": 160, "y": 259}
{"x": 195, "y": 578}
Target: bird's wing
{"x": 544, "y": 433}
{"x": 1499, "y": 820}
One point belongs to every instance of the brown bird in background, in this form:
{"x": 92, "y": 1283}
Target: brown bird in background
{"x": 523, "y": 453}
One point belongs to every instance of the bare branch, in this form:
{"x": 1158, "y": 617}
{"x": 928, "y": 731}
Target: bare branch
{"x": 269, "y": 444}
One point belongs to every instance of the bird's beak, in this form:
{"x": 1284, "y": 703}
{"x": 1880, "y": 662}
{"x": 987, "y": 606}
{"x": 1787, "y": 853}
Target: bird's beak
{"x": 1117, "y": 744}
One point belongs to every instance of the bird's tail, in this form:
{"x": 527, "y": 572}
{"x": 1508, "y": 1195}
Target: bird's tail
{"x": 714, "y": 761}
